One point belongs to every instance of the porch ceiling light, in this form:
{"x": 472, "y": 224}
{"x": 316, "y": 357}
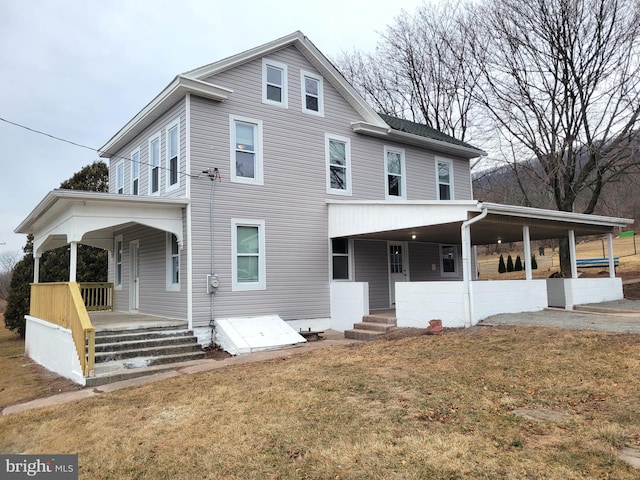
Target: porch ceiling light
{"x": 499, "y": 241}
{"x": 413, "y": 236}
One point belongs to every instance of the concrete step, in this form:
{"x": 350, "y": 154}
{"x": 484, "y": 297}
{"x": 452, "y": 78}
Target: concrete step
{"x": 379, "y": 319}
{"x": 366, "y": 335}
{"x": 151, "y": 352}
{"x": 130, "y": 336}
{"x": 116, "y": 371}
{"x": 144, "y": 343}
{"x": 374, "y": 327}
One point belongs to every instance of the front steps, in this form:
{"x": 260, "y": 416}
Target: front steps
{"x": 371, "y": 327}
{"x": 131, "y": 353}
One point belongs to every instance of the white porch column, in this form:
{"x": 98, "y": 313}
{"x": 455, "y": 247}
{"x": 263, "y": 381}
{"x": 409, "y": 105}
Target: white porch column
{"x": 572, "y": 252}
{"x": 527, "y": 252}
{"x": 36, "y": 269}
{"x": 612, "y": 263}
{"x": 73, "y": 263}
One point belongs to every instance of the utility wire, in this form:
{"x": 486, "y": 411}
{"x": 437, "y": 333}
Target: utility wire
{"x": 39, "y": 132}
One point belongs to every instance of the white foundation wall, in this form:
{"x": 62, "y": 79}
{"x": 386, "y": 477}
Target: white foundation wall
{"x": 349, "y": 303}
{"x": 52, "y": 347}
{"x": 419, "y": 302}
{"x": 579, "y": 291}
{"x": 507, "y": 296}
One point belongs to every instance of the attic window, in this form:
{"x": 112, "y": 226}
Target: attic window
{"x": 312, "y": 95}
{"x": 274, "y": 83}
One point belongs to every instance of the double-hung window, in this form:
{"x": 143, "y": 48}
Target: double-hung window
{"x": 274, "y": 83}
{"x": 395, "y": 185}
{"x": 248, "y": 254}
{"x": 444, "y": 172}
{"x": 340, "y": 259}
{"x": 173, "y": 262}
{"x": 154, "y": 163}
{"x": 338, "y": 157}
{"x": 173, "y": 154}
{"x": 118, "y": 262}
{"x": 246, "y": 150}
{"x": 135, "y": 172}
{"x": 312, "y": 93}
{"x": 120, "y": 178}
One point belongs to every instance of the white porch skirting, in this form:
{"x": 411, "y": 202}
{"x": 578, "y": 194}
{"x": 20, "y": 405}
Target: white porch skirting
{"x": 419, "y": 302}
{"x": 349, "y": 303}
{"x": 52, "y": 347}
{"x": 567, "y": 292}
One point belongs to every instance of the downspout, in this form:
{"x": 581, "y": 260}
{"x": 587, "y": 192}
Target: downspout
{"x": 465, "y": 231}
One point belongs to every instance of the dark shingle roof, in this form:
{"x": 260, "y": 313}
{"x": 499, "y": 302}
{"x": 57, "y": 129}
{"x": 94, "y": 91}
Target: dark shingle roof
{"x": 422, "y": 130}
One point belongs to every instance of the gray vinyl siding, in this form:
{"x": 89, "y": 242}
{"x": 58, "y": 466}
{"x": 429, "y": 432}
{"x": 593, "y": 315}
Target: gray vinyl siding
{"x": 371, "y": 265}
{"x": 154, "y": 297}
{"x": 142, "y": 141}
{"x": 421, "y": 258}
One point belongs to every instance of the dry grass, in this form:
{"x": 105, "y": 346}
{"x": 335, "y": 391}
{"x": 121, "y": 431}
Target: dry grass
{"x": 438, "y": 407}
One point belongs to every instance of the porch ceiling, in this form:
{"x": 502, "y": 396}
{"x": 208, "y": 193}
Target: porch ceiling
{"x": 441, "y": 222}
{"x": 92, "y": 218}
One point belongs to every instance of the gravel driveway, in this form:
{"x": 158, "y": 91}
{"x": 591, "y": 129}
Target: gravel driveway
{"x": 621, "y": 316}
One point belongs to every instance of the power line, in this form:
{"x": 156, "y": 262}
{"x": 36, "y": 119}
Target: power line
{"x": 39, "y": 132}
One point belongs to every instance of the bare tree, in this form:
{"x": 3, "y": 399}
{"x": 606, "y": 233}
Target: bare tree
{"x": 561, "y": 80}
{"x": 8, "y": 260}
{"x": 419, "y": 70}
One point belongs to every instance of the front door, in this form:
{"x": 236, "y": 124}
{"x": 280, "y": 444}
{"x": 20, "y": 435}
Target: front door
{"x": 134, "y": 284}
{"x": 398, "y": 269}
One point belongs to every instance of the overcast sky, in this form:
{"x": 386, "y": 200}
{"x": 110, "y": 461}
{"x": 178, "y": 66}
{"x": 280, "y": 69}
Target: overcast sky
{"x": 80, "y": 69}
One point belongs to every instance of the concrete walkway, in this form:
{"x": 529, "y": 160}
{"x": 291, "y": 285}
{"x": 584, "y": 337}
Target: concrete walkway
{"x": 622, "y": 316}
{"x": 330, "y": 338}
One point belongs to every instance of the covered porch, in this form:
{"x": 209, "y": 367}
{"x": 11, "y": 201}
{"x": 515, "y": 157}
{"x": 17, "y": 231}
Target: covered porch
{"x": 457, "y": 296}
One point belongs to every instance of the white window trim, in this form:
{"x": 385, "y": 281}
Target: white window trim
{"x": 118, "y": 240}
{"x": 303, "y": 92}
{"x": 258, "y": 178}
{"x": 451, "y": 191}
{"x": 261, "y": 284}
{"x": 403, "y": 174}
{"x": 156, "y": 136}
{"x": 172, "y": 287}
{"x": 133, "y": 162}
{"x": 456, "y": 259}
{"x": 327, "y": 138}
{"x": 168, "y": 187}
{"x": 120, "y": 181}
{"x": 282, "y": 66}
{"x": 350, "y": 264}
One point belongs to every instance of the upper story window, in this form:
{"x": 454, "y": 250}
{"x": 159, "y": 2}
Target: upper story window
{"x": 338, "y": 157}
{"x": 135, "y": 172}
{"x": 248, "y": 255}
{"x": 274, "y": 83}
{"x": 120, "y": 178}
{"x": 395, "y": 185}
{"x": 246, "y": 150}
{"x": 173, "y": 155}
{"x": 173, "y": 262}
{"x": 154, "y": 163}
{"x": 312, "y": 95}
{"x": 444, "y": 171}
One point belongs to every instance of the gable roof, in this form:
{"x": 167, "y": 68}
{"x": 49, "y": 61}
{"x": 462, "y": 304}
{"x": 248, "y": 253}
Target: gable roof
{"x": 372, "y": 123}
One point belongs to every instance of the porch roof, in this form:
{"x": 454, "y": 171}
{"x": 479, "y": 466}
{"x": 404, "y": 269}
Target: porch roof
{"x": 441, "y": 221}
{"x": 92, "y": 218}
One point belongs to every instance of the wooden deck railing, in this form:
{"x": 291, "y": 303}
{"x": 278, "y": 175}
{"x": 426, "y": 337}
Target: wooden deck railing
{"x": 97, "y": 295}
{"x": 62, "y": 304}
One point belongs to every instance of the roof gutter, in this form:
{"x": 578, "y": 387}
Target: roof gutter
{"x": 466, "y": 264}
